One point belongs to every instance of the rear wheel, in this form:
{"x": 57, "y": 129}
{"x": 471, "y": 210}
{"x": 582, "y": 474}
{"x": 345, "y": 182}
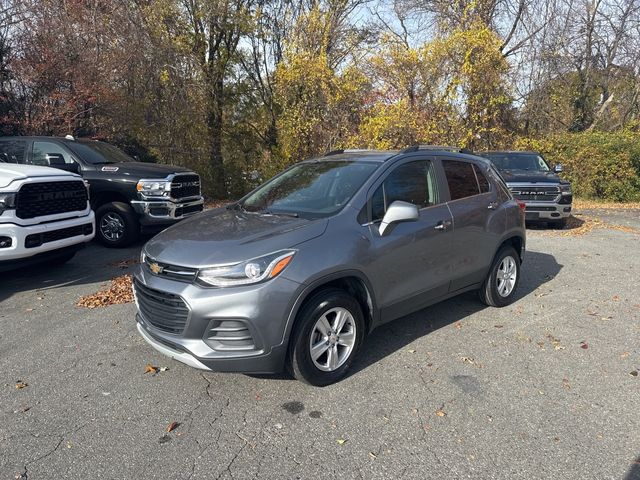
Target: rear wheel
{"x": 116, "y": 224}
{"x": 327, "y": 337}
{"x": 498, "y": 289}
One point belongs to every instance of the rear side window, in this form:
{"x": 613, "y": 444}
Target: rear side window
{"x": 461, "y": 179}
{"x": 483, "y": 183}
{"x": 413, "y": 182}
{"x": 12, "y": 151}
{"x": 50, "y": 154}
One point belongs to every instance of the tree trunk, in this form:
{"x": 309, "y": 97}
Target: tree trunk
{"x": 214, "y": 127}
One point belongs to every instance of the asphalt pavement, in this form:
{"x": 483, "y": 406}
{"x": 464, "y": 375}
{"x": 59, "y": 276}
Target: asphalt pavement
{"x": 544, "y": 388}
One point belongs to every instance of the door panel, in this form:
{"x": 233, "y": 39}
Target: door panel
{"x": 409, "y": 266}
{"x": 478, "y": 221}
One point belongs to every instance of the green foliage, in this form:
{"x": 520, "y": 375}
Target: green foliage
{"x": 599, "y": 165}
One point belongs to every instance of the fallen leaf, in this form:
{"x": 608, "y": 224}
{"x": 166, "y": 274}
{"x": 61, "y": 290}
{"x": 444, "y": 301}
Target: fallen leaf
{"x": 125, "y": 263}
{"x": 412, "y": 350}
{"x": 172, "y": 426}
{"x": 150, "y": 369}
{"x": 634, "y": 373}
{"x": 373, "y": 455}
{"x": 441, "y": 413}
{"x": 20, "y": 384}
{"x": 584, "y": 345}
{"x": 29, "y": 310}
{"x": 120, "y": 291}
{"x": 498, "y": 326}
{"x": 341, "y": 441}
{"x": 615, "y": 298}
{"x": 164, "y": 369}
{"x": 458, "y": 325}
{"x": 566, "y": 384}
{"x": 467, "y": 360}
{"x": 624, "y": 354}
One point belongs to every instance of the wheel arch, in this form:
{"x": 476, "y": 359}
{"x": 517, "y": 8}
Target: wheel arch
{"x": 516, "y": 241}
{"x": 107, "y": 196}
{"x": 352, "y": 281}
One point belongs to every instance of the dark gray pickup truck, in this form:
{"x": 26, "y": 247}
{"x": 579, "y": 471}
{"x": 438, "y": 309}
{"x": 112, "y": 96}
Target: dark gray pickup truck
{"x": 128, "y": 196}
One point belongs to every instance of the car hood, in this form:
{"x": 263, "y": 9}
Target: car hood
{"x": 10, "y": 172}
{"x": 140, "y": 169}
{"x": 228, "y": 236}
{"x": 528, "y": 176}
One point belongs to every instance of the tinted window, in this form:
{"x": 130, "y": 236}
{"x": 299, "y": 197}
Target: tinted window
{"x": 311, "y": 189}
{"x": 50, "y": 154}
{"x": 412, "y": 182}
{"x": 483, "y": 183}
{"x": 461, "y": 179}
{"x": 99, "y": 152}
{"x": 12, "y": 151}
{"x": 518, "y": 161}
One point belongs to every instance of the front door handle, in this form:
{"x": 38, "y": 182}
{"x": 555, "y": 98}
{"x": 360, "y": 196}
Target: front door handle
{"x": 492, "y": 205}
{"x": 442, "y": 225}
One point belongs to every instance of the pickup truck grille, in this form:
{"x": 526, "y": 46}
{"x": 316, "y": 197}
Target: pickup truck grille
{"x": 50, "y": 198}
{"x": 163, "y": 310}
{"x": 185, "y": 186}
{"x": 536, "y": 194}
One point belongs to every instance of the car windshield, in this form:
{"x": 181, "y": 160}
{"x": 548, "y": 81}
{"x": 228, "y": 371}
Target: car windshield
{"x": 518, "y": 161}
{"x": 310, "y": 190}
{"x": 99, "y": 152}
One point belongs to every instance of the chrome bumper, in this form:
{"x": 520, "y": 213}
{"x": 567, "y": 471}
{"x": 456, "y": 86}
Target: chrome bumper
{"x": 166, "y": 210}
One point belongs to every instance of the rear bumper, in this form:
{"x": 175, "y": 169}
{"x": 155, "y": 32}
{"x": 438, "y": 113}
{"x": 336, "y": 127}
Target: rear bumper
{"x": 39, "y": 233}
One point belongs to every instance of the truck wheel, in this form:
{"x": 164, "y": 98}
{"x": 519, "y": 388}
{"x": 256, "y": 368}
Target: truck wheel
{"x": 116, "y": 224}
{"x": 498, "y": 289}
{"x": 328, "y": 334}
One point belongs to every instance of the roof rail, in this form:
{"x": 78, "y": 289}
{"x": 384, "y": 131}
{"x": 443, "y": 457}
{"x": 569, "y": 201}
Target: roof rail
{"x": 422, "y": 146}
{"x": 350, "y": 150}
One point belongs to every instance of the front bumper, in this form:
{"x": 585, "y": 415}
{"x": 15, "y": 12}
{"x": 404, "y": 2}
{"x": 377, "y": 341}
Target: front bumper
{"x": 260, "y": 311}
{"x": 165, "y": 211}
{"x": 546, "y": 211}
{"x": 45, "y": 233}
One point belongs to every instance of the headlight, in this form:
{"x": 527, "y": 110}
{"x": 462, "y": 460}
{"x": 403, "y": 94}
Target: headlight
{"x": 252, "y": 271}
{"x": 7, "y": 201}
{"x": 565, "y": 187}
{"x": 154, "y": 188}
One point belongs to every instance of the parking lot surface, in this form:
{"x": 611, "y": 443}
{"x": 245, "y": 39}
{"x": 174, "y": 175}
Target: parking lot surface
{"x": 545, "y": 388}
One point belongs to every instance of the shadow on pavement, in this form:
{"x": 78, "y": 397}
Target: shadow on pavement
{"x": 92, "y": 264}
{"x": 634, "y": 471}
{"x": 538, "y": 268}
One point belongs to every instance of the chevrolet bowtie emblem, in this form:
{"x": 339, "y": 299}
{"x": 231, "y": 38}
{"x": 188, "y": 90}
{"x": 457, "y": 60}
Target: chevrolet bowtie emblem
{"x": 155, "y": 268}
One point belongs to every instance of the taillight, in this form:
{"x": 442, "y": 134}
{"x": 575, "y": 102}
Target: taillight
{"x": 522, "y": 205}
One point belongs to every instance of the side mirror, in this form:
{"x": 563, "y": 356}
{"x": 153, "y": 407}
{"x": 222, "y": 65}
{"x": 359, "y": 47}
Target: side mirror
{"x": 558, "y": 168}
{"x": 398, "y": 212}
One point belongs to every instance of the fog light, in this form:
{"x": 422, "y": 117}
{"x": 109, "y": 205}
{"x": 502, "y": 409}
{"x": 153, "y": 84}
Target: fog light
{"x": 33, "y": 241}
{"x": 566, "y": 209}
{"x": 5, "y": 242}
{"x": 87, "y": 229}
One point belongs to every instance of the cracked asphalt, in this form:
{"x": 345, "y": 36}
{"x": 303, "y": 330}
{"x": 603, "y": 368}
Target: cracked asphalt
{"x": 541, "y": 389}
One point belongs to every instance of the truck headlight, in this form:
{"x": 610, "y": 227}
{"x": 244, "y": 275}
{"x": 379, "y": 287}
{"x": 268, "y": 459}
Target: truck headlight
{"x": 154, "y": 188}
{"x": 565, "y": 188}
{"x": 7, "y": 202}
{"x": 245, "y": 273}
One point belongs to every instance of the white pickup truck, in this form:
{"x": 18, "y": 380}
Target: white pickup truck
{"x": 44, "y": 215}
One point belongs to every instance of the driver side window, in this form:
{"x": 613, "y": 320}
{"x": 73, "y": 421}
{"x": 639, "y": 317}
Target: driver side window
{"x": 49, "y": 154}
{"x": 413, "y": 182}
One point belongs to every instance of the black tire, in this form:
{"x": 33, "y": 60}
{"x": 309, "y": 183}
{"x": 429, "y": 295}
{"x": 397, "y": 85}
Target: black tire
{"x": 558, "y": 224}
{"x": 117, "y": 212}
{"x": 489, "y": 293}
{"x": 300, "y": 363}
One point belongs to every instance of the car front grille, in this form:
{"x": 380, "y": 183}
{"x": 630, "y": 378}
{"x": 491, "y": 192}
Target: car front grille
{"x": 160, "y": 269}
{"x": 37, "y": 239}
{"x": 163, "y": 310}
{"x": 536, "y": 194}
{"x": 50, "y": 198}
{"x": 185, "y": 186}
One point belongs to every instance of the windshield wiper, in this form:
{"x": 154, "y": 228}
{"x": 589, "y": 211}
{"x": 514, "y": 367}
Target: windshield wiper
{"x": 280, "y": 214}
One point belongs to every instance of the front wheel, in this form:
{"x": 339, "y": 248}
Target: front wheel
{"x": 498, "y": 289}
{"x": 327, "y": 337}
{"x": 116, "y": 224}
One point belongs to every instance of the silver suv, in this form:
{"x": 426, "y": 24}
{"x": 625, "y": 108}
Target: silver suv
{"x": 300, "y": 270}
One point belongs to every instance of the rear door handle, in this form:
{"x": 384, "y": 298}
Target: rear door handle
{"x": 492, "y": 205}
{"x": 442, "y": 225}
